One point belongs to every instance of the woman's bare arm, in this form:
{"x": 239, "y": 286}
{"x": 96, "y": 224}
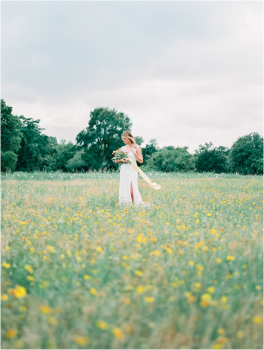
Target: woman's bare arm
{"x": 121, "y": 161}
{"x": 138, "y": 154}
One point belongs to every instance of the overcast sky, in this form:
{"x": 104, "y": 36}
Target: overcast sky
{"x": 185, "y": 73}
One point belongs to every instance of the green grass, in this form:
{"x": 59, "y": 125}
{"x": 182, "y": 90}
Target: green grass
{"x": 97, "y": 275}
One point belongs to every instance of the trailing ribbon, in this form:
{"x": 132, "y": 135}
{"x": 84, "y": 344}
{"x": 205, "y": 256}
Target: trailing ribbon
{"x": 144, "y": 176}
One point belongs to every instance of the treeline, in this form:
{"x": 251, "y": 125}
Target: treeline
{"x": 24, "y": 147}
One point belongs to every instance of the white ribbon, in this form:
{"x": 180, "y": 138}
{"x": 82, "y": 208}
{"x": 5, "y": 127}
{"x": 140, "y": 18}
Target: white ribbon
{"x": 144, "y": 176}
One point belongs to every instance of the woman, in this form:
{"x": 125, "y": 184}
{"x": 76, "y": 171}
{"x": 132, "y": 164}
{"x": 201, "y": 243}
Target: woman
{"x": 128, "y": 187}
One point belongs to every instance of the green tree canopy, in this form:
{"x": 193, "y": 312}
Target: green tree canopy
{"x": 139, "y": 140}
{"x": 10, "y": 129}
{"x": 37, "y": 150}
{"x": 246, "y": 155}
{"x": 171, "y": 159}
{"x": 76, "y": 162}
{"x": 212, "y": 159}
{"x": 10, "y": 137}
{"x": 102, "y": 136}
{"x": 65, "y": 152}
{"x": 149, "y": 149}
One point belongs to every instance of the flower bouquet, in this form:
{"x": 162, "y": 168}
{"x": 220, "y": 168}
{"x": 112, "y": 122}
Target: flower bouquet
{"x": 118, "y": 155}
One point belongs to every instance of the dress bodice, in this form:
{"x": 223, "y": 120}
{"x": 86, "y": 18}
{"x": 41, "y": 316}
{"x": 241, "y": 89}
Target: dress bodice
{"x": 131, "y": 155}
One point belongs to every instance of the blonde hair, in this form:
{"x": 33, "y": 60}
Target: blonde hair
{"x": 129, "y": 135}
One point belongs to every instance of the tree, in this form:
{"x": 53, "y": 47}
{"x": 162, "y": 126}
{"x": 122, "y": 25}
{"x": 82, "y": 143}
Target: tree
{"x": 8, "y": 161}
{"x": 172, "y": 159}
{"x": 10, "y": 137}
{"x": 65, "y": 152}
{"x": 246, "y": 155}
{"x": 139, "y": 140}
{"x": 212, "y": 159}
{"x": 102, "y": 137}
{"x": 76, "y": 162}
{"x": 149, "y": 149}
{"x": 37, "y": 150}
{"x": 49, "y": 153}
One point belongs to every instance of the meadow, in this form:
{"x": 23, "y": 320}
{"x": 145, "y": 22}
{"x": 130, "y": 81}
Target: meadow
{"x": 78, "y": 271}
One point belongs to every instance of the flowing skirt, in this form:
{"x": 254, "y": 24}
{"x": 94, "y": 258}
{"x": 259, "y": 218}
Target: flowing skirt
{"x": 129, "y": 175}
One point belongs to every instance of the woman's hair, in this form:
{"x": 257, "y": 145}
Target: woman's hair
{"x": 129, "y": 135}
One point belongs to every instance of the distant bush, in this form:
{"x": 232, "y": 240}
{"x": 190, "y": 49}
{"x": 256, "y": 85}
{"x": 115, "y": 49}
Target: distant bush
{"x": 212, "y": 159}
{"x": 76, "y": 162}
{"x": 246, "y": 155}
{"x": 8, "y": 161}
{"x": 171, "y": 159}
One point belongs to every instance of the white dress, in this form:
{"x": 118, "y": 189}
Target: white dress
{"x": 129, "y": 174}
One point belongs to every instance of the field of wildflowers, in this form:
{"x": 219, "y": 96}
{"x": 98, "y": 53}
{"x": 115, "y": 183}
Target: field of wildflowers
{"x": 78, "y": 271}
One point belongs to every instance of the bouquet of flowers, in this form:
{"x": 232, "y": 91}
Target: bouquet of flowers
{"x": 118, "y": 155}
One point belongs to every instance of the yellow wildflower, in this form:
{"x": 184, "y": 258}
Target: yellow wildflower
{"x": 103, "y": 325}
{"x": 240, "y": 334}
{"x": 118, "y": 333}
{"x": 93, "y": 291}
{"x": 206, "y": 297}
{"x": 28, "y": 268}
{"x": 52, "y": 320}
{"x": 230, "y": 258}
{"x": 257, "y": 319}
{"x": 51, "y": 249}
{"x": 80, "y": 340}
{"x": 22, "y": 308}
{"x": 155, "y": 253}
{"x": 149, "y": 299}
{"x": 20, "y": 292}
{"x": 224, "y": 299}
{"x": 140, "y": 289}
{"x": 199, "y": 267}
{"x": 11, "y": 333}
{"x": 45, "y": 309}
{"x": 99, "y": 249}
{"x": 139, "y": 273}
{"x": 221, "y": 331}
{"x": 6, "y": 265}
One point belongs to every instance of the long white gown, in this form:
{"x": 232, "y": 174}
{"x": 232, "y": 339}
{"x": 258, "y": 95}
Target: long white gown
{"x": 129, "y": 174}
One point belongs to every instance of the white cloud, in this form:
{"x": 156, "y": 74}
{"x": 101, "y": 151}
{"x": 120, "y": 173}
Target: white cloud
{"x": 185, "y": 73}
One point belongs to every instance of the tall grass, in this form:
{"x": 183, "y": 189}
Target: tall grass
{"x": 184, "y": 273}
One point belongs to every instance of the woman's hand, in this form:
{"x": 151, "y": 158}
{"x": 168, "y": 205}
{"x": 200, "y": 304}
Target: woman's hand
{"x": 123, "y": 160}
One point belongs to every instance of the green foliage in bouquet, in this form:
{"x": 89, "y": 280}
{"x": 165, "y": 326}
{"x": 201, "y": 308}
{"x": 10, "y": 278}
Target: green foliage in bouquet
{"x": 118, "y": 155}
